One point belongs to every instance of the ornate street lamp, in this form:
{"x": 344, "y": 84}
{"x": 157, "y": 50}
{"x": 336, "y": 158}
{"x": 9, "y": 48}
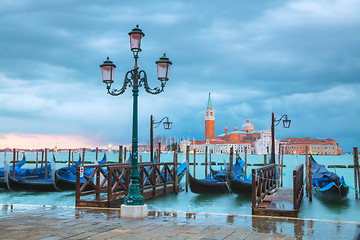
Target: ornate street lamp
{"x": 167, "y": 126}
{"x": 286, "y": 124}
{"x": 134, "y": 79}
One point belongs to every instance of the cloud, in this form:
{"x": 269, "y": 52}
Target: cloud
{"x": 298, "y": 57}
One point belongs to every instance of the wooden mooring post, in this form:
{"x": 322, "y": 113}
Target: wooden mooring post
{"x": 210, "y": 160}
{"x": 356, "y": 172}
{"x": 265, "y": 156}
{"x": 83, "y": 157}
{"x": 159, "y": 152}
{"x": 42, "y": 158}
{"x": 310, "y": 174}
{"x": 176, "y": 182}
{"x": 69, "y": 161}
{"x": 206, "y": 150}
{"x": 307, "y": 173}
{"x": 120, "y": 153}
{"x": 245, "y": 160}
{"x": 124, "y": 154}
{"x": 279, "y": 168}
{"x": 158, "y": 157}
{"x": 14, "y": 157}
{"x": 282, "y": 167}
{"x": 231, "y": 160}
{"x": 194, "y": 163}
{"x": 37, "y": 158}
{"x": 187, "y": 168}
{"x": 96, "y": 154}
{"x": 46, "y": 167}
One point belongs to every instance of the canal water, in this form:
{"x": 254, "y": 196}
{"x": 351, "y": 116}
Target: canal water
{"x": 348, "y": 210}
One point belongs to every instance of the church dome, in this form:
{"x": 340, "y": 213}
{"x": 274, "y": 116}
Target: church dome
{"x": 247, "y": 127}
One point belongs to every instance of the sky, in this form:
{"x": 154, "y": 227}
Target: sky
{"x": 294, "y": 57}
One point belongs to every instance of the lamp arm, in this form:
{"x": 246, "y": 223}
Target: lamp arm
{"x": 127, "y": 82}
{"x": 279, "y": 120}
{"x": 159, "y": 122}
{"x": 143, "y": 80}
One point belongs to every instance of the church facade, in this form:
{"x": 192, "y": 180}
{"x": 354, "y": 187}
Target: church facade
{"x": 246, "y": 140}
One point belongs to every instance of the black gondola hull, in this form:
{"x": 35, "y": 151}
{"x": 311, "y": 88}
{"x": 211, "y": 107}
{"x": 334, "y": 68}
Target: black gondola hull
{"x": 30, "y": 184}
{"x": 204, "y": 187}
{"x": 333, "y": 194}
{"x": 241, "y": 187}
{"x": 63, "y": 184}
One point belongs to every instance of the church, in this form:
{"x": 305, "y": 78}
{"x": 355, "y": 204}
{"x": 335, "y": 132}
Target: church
{"x": 247, "y": 139}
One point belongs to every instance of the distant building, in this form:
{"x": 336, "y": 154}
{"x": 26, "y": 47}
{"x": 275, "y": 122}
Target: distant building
{"x": 247, "y": 139}
{"x": 316, "y": 146}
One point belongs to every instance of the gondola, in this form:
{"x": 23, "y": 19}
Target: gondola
{"x": 216, "y": 184}
{"x": 209, "y": 185}
{"x": 34, "y": 180}
{"x": 240, "y": 183}
{"x": 18, "y": 171}
{"x": 327, "y": 185}
{"x": 214, "y": 172}
{"x": 65, "y": 178}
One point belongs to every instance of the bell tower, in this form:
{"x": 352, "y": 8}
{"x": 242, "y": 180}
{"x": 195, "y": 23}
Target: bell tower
{"x": 209, "y": 121}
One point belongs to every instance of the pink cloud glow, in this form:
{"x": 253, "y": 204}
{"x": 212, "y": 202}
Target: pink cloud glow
{"x": 35, "y": 141}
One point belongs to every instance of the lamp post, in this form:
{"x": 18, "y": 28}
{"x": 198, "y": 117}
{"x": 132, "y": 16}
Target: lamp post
{"x": 167, "y": 126}
{"x": 286, "y": 124}
{"x": 134, "y": 79}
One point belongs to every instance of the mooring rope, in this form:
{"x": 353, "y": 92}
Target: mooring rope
{"x": 351, "y": 188}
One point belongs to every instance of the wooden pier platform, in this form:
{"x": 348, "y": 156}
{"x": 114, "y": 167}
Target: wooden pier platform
{"x": 280, "y": 203}
{"x": 268, "y": 200}
{"x": 108, "y": 185}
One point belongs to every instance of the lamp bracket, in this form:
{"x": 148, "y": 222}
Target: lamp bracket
{"x": 143, "y": 80}
{"x": 156, "y": 124}
{"x": 127, "y": 83}
{"x": 277, "y": 121}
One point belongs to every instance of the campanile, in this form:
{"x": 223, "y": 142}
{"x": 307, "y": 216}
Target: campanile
{"x": 209, "y": 121}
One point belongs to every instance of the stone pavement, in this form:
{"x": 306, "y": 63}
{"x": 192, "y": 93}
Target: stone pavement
{"x": 53, "y": 222}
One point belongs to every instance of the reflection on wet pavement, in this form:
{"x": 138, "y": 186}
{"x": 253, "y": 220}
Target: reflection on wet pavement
{"x": 52, "y": 221}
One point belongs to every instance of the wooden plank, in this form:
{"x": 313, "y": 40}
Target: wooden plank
{"x": 263, "y": 204}
{"x": 268, "y": 198}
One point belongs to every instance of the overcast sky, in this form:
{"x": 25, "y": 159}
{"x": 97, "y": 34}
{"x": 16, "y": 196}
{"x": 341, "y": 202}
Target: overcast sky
{"x": 299, "y": 57}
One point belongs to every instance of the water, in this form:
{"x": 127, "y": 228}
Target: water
{"x": 348, "y": 210}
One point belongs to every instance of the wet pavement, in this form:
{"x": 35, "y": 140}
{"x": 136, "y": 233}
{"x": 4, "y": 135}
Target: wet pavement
{"x": 54, "y": 222}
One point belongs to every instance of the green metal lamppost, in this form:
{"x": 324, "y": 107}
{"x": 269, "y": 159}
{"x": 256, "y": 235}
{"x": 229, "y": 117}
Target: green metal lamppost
{"x": 134, "y": 79}
{"x": 286, "y": 124}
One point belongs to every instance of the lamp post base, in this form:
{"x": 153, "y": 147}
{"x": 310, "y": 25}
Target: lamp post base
{"x": 134, "y": 211}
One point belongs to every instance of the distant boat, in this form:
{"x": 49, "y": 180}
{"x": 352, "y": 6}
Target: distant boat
{"x": 34, "y": 180}
{"x": 327, "y": 185}
{"x": 65, "y": 178}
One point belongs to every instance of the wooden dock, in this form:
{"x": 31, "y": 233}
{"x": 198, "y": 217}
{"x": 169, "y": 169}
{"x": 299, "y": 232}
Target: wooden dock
{"x": 269, "y": 200}
{"x": 108, "y": 185}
